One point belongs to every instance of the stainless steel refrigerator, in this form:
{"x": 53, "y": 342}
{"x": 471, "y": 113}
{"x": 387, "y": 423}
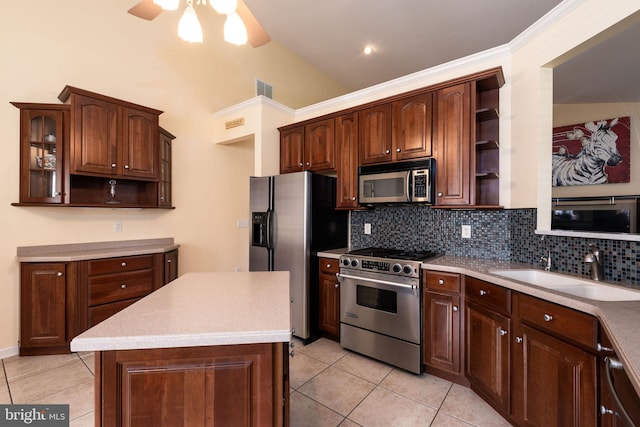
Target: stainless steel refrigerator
{"x": 293, "y": 217}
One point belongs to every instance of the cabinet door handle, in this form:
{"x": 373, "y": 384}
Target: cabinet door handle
{"x": 337, "y": 285}
{"x": 59, "y": 274}
{"x": 387, "y": 152}
{"x": 300, "y": 164}
{"x": 113, "y": 165}
{"x": 124, "y": 264}
{"x": 503, "y": 332}
{"x": 441, "y": 282}
{"x": 123, "y": 286}
{"x": 440, "y": 194}
{"x": 455, "y": 308}
{"x": 169, "y": 261}
{"x": 482, "y": 292}
{"x": 398, "y": 150}
{"x": 308, "y": 163}
{"x": 603, "y": 349}
{"x": 519, "y": 340}
{"x": 353, "y": 198}
{"x": 126, "y": 166}
{"x": 547, "y": 317}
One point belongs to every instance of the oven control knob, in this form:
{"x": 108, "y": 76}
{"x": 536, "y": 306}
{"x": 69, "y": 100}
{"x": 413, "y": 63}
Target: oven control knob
{"x": 346, "y": 262}
{"x": 354, "y": 263}
{"x": 397, "y": 268}
{"x": 407, "y": 269}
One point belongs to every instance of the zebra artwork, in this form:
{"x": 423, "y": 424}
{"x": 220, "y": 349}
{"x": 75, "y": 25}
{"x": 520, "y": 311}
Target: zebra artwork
{"x": 598, "y": 151}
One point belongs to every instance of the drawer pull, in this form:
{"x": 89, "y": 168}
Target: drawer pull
{"x": 59, "y": 274}
{"x": 441, "y": 282}
{"x": 124, "y": 264}
{"x": 328, "y": 265}
{"x": 503, "y": 332}
{"x": 519, "y": 340}
{"x": 482, "y": 292}
{"x": 604, "y": 349}
{"x": 123, "y": 286}
{"x": 548, "y": 318}
{"x": 455, "y": 308}
{"x": 337, "y": 285}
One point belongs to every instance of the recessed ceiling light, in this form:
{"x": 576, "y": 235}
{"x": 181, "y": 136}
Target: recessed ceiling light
{"x": 368, "y": 50}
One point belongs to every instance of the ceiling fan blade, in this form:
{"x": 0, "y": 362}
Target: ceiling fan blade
{"x": 256, "y": 34}
{"x": 146, "y": 9}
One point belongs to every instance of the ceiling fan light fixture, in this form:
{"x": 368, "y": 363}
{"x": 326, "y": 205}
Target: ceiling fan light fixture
{"x": 168, "y": 4}
{"x": 189, "y": 28}
{"x": 234, "y": 30}
{"x": 224, "y": 7}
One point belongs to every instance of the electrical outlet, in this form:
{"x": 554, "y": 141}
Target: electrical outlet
{"x": 367, "y": 228}
{"x": 117, "y": 227}
{"x": 466, "y": 231}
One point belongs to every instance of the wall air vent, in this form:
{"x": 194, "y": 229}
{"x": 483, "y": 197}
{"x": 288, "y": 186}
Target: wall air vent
{"x": 264, "y": 89}
{"x": 234, "y": 123}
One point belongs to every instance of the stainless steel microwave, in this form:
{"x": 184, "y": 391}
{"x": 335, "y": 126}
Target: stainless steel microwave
{"x": 400, "y": 182}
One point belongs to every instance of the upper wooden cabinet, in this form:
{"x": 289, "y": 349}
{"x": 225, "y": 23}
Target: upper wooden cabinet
{"x": 319, "y": 146}
{"x": 412, "y": 123}
{"x": 93, "y": 151}
{"x": 453, "y": 146}
{"x": 375, "y": 134}
{"x": 112, "y": 137}
{"x": 164, "y": 186}
{"x": 44, "y": 128}
{"x": 347, "y": 161}
{"x": 309, "y": 147}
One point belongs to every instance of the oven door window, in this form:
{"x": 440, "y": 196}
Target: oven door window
{"x": 378, "y": 299}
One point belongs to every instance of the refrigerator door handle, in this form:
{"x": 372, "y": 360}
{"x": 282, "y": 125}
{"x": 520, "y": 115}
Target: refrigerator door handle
{"x": 269, "y": 230}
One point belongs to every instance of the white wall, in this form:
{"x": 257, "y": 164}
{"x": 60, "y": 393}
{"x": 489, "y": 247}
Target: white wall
{"x": 98, "y": 46}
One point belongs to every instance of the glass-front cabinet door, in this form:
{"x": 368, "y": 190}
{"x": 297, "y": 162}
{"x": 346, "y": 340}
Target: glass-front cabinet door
{"x": 42, "y": 133}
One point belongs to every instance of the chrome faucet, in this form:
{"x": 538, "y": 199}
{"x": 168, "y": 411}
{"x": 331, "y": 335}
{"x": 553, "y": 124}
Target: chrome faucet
{"x": 546, "y": 260}
{"x": 594, "y": 258}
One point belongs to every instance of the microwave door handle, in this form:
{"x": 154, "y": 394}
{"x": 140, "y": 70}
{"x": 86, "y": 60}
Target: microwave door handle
{"x": 408, "y": 189}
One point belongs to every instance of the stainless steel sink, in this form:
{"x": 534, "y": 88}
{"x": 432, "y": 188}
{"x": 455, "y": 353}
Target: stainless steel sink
{"x": 571, "y": 285}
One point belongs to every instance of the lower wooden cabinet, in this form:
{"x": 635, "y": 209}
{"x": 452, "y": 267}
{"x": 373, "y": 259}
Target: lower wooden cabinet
{"x": 48, "y": 307}
{"x": 554, "y": 383}
{"x": 59, "y": 300}
{"x": 442, "y": 326}
{"x": 329, "y": 299}
{"x": 554, "y": 378}
{"x": 231, "y": 385}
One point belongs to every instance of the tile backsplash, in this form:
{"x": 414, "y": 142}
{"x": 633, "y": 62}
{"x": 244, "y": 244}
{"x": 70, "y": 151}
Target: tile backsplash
{"x": 507, "y": 235}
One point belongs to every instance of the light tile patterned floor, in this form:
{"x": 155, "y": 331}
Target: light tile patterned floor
{"x": 329, "y": 387}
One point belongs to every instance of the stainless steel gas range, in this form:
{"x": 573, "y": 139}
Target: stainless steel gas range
{"x": 380, "y": 305}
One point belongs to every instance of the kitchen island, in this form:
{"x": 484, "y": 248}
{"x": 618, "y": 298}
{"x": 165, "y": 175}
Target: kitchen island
{"x": 206, "y": 349}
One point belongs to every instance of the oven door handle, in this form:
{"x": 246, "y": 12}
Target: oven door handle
{"x": 341, "y": 277}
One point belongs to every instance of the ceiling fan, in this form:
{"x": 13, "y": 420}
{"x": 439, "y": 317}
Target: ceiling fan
{"x": 256, "y": 35}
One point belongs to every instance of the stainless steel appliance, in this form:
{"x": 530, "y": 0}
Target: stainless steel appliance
{"x": 380, "y": 305}
{"x": 400, "y": 182}
{"x": 292, "y": 217}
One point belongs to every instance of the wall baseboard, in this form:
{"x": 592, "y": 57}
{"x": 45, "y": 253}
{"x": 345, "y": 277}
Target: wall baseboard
{"x": 9, "y": 351}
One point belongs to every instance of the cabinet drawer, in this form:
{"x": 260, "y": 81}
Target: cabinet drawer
{"x": 114, "y": 265}
{"x": 488, "y": 294}
{"x": 116, "y": 287}
{"x": 559, "y": 320}
{"x": 329, "y": 266}
{"x": 99, "y": 313}
{"x": 439, "y": 281}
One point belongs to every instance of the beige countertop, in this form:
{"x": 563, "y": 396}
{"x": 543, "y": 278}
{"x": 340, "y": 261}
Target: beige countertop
{"x": 93, "y": 250}
{"x": 620, "y": 319}
{"x": 199, "y": 309}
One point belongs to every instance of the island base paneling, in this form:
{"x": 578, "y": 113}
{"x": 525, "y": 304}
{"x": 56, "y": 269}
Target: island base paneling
{"x": 227, "y": 385}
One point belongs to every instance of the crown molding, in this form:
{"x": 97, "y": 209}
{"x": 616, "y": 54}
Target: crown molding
{"x": 550, "y": 18}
